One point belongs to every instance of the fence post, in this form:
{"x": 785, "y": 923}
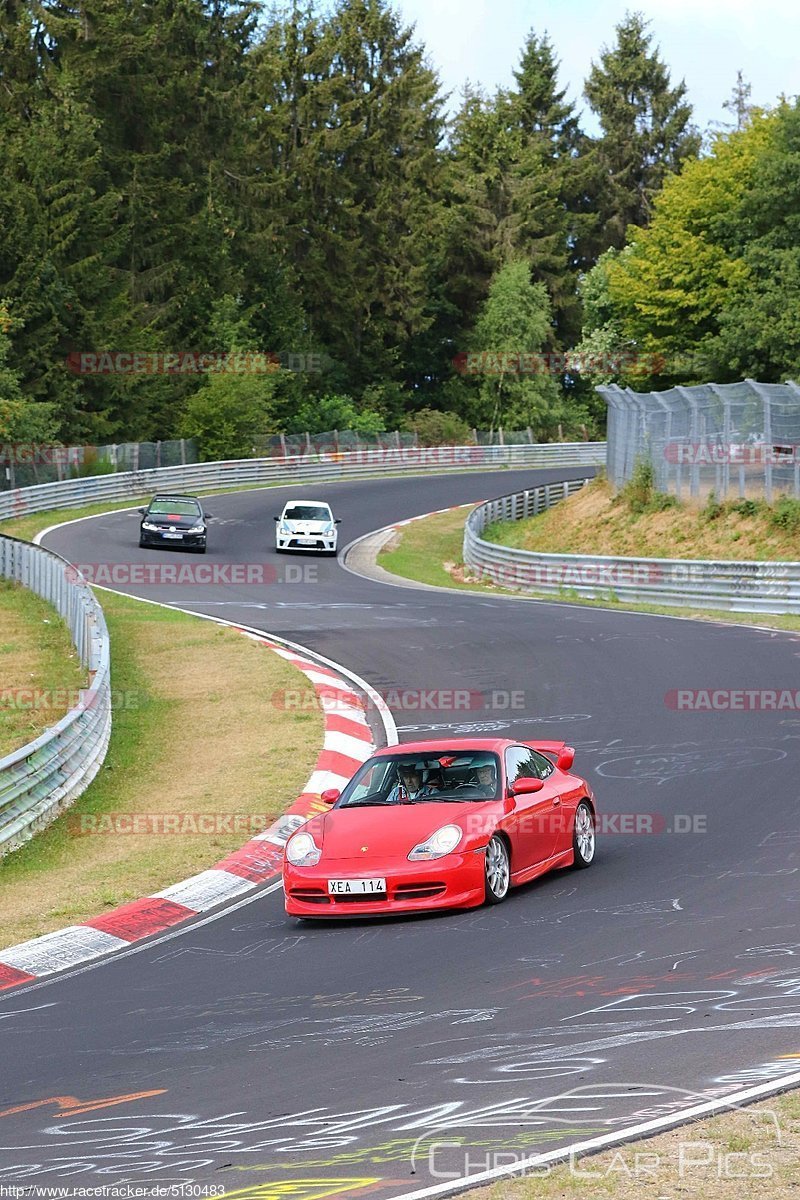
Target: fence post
{"x": 764, "y": 397}
{"x": 694, "y": 434}
{"x": 727, "y": 433}
{"x": 795, "y": 390}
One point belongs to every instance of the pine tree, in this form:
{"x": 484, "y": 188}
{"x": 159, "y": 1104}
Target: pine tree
{"x": 349, "y": 148}
{"x": 541, "y": 106}
{"x": 646, "y": 130}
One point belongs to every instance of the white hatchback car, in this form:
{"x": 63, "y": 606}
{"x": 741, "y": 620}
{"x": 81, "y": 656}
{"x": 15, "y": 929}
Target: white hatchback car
{"x": 306, "y": 525}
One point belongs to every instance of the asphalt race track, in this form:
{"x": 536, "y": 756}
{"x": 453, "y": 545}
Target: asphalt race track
{"x": 374, "y": 1058}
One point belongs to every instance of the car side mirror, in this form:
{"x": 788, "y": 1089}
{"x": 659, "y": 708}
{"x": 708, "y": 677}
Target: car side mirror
{"x": 276, "y": 518}
{"x": 143, "y": 511}
{"x": 338, "y": 521}
{"x": 526, "y": 787}
{"x": 566, "y": 758}
{"x": 207, "y": 516}
{"x": 330, "y": 795}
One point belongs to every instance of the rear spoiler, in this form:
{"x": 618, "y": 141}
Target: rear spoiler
{"x": 556, "y": 749}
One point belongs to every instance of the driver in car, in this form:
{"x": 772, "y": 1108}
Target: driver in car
{"x": 483, "y": 781}
{"x": 410, "y": 786}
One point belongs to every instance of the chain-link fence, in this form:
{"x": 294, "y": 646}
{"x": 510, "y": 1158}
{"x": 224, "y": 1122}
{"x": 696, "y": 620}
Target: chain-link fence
{"x": 24, "y": 464}
{"x": 733, "y": 439}
{"x": 334, "y": 441}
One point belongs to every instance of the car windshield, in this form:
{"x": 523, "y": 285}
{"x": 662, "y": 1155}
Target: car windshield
{"x": 454, "y": 776}
{"x": 307, "y": 512}
{"x": 178, "y": 508}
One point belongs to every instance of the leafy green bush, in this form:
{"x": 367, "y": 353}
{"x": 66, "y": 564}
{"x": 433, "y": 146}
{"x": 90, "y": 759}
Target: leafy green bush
{"x": 92, "y": 465}
{"x": 227, "y": 413}
{"x": 435, "y": 428}
{"x": 747, "y": 508}
{"x": 786, "y": 515}
{"x": 324, "y": 414}
{"x": 712, "y": 510}
{"x": 639, "y": 493}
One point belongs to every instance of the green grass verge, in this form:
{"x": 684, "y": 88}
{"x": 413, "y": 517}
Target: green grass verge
{"x": 40, "y": 671}
{"x": 431, "y": 551}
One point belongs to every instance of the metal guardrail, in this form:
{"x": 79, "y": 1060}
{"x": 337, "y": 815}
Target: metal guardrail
{"x": 41, "y": 779}
{"x": 310, "y": 468}
{"x": 765, "y": 587}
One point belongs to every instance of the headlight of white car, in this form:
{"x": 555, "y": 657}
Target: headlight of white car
{"x": 302, "y": 850}
{"x": 286, "y": 527}
{"x": 329, "y": 529}
{"x": 443, "y": 842}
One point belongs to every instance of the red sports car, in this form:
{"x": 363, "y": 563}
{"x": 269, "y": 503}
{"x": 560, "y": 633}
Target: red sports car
{"x": 444, "y": 824}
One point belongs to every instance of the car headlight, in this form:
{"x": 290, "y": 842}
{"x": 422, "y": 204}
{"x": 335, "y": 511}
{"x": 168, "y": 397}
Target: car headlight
{"x": 197, "y": 529}
{"x": 149, "y": 525}
{"x": 286, "y": 527}
{"x": 444, "y": 841}
{"x": 329, "y": 528}
{"x": 303, "y": 851}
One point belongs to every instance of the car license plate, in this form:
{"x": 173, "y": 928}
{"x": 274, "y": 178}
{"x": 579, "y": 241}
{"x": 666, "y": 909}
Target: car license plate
{"x": 306, "y": 541}
{"x": 356, "y": 887}
{"x": 174, "y": 536}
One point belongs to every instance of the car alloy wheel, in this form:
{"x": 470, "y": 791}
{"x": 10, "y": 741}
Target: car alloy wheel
{"x": 497, "y": 871}
{"x": 583, "y": 836}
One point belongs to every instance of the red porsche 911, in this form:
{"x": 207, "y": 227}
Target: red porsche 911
{"x": 444, "y": 824}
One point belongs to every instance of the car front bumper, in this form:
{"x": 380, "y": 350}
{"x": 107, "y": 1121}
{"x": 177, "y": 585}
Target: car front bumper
{"x": 455, "y": 881}
{"x": 193, "y": 541}
{"x": 318, "y": 543}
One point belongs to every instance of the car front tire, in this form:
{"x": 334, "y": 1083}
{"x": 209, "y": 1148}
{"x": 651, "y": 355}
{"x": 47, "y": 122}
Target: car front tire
{"x": 497, "y": 871}
{"x": 584, "y": 841}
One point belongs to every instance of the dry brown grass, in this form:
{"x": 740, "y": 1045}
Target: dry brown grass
{"x": 750, "y": 1154}
{"x": 196, "y": 730}
{"x": 591, "y": 523}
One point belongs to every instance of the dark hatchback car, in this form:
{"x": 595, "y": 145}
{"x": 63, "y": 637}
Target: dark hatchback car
{"x": 177, "y": 521}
